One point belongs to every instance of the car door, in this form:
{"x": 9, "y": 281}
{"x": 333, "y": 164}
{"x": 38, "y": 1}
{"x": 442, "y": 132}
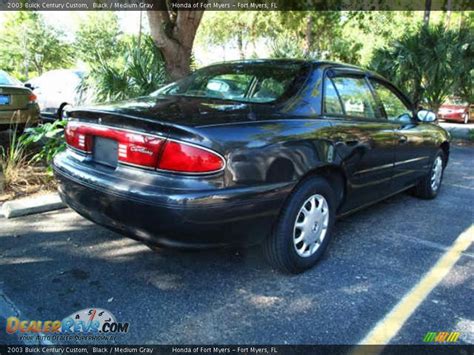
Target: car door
{"x": 413, "y": 147}
{"x": 363, "y": 138}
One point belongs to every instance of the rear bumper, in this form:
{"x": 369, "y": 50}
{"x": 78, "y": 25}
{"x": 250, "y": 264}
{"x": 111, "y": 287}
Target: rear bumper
{"x": 170, "y": 217}
{"x": 28, "y": 115}
{"x": 458, "y": 117}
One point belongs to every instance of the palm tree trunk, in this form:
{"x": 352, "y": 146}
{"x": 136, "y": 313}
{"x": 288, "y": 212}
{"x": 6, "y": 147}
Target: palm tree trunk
{"x": 426, "y": 17}
{"x": 448, "y": 13}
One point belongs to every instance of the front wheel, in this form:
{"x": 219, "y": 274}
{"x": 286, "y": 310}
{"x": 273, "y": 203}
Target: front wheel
{"x": 304, "y": 228}
{"x": 429, "y": 186}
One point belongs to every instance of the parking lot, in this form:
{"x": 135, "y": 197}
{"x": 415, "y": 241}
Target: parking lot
{"x": 56, "y": 263}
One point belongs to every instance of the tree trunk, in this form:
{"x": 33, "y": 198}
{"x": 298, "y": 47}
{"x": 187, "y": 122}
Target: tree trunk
{"x": 426, "y": 17}
{"x": 140, "y": 29}
{"x": 448, "y": 13}
{"x": 240, "y": 45}
{"x": 308, "y": 37}
{"x": 173, "y": 33}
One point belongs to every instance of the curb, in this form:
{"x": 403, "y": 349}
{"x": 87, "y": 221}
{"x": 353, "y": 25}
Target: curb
{"x": 31, "y": 205}
{"x": 458, "y": 131}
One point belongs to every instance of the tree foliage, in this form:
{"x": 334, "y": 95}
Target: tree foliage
{"x": 141, "y": 72}
{"x": 430, "y": 64}
{"x": 29, "y": 46}
{"x": 98, "y": 38}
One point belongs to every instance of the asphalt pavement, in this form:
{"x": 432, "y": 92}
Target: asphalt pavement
{"x": 56, "y": 263}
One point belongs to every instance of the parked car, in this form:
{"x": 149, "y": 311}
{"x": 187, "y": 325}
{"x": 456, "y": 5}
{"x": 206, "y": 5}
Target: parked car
{"x": 456, "y": 110}
{"x": 56, "y": 89}
{"x": 18, "y": 106}
{"x": 305, "y": 142}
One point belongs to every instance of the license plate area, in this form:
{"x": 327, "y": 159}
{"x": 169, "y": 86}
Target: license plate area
{"x": 105, "y": 151}
{"x": 4, "y": 99}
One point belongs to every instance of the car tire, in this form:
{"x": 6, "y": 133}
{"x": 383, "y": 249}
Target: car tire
{"x": 299, "y": 232}
{"x": 429, "y": 186}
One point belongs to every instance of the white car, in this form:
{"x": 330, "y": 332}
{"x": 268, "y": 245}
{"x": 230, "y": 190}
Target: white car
{"x": 57, "y": 88}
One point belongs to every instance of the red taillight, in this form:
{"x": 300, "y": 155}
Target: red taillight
{"x": 145, "y": 150}
{"x": 185, "y": 158}
{"x": 32, "y": 98}
{"x": 77, "y": 138}
{"x": 133, "y": 148}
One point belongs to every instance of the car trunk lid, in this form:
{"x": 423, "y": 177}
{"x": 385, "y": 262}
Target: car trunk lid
{"x": 133, "y": 137}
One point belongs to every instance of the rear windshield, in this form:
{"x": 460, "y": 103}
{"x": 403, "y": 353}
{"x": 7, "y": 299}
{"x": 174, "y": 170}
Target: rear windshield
{"x": 260, "y": 82}
{"x": 5, "y": 79}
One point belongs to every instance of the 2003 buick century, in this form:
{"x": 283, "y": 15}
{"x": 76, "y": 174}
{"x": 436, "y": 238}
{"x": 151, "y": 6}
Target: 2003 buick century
{"x": 264, "y": 151}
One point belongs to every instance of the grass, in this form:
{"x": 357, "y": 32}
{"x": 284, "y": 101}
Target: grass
{"x": 18, "y": 175}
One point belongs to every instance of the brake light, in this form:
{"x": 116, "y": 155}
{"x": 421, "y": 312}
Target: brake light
{"x": 32, "y": 98}
{"x": 133, "y": 148}
{"x": 145, "y": 150}
{"x": 181, "y": 157}
{"x": 76, "y": 138}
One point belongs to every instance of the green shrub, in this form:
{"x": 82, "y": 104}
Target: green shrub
{"x": 141, "y": 72}
{"x": 51, "y": 136}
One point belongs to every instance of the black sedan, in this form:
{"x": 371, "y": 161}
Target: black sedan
{"x": 254, "y": 152}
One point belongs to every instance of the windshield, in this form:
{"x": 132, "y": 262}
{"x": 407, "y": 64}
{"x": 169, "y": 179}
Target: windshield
{"x": 260, "y": 82}
{"x": 5, "y": 79}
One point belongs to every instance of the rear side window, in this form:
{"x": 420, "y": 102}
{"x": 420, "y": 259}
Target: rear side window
{"x": 356, "y": 97}
{"x": 395, "y": 109}
{"x": 332, "y": 104}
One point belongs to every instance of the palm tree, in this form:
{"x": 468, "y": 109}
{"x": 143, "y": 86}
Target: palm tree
{"x": 429, "y": 64}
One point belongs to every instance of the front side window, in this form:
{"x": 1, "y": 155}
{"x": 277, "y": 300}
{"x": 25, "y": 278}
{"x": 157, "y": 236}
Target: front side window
{"x": 356, "y": 97}
{"x": 395, "y": 109}
{"x": 262, "y": 83}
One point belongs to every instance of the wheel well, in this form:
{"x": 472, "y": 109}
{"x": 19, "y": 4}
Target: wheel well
{"x": 335, "y": 178}
{"x": 445, "y": 147}
{"x": 60, "y": 109}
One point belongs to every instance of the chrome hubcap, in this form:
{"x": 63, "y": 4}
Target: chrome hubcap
{"x": 311, "y": 225}
{"x": 436, "y": 173}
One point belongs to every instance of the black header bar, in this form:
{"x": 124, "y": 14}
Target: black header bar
{"x": 431, "y": 349}
{"x": 233, "y": 5}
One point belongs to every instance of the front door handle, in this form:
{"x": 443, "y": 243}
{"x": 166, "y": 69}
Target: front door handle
{"x": 402, "y": 139}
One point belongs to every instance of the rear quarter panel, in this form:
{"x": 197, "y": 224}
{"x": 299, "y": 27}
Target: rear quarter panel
{"x": 272, "y": 151}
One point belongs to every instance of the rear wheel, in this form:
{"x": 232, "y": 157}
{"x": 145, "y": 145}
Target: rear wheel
{"x": 304, "y": 228}
{"x": 429, "y": 186}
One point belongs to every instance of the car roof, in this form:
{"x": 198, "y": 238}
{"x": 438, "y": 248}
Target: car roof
{"x": 322, "y": 64}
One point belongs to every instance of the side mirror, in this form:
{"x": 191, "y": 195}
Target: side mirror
{"x": 426, "y": 116}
